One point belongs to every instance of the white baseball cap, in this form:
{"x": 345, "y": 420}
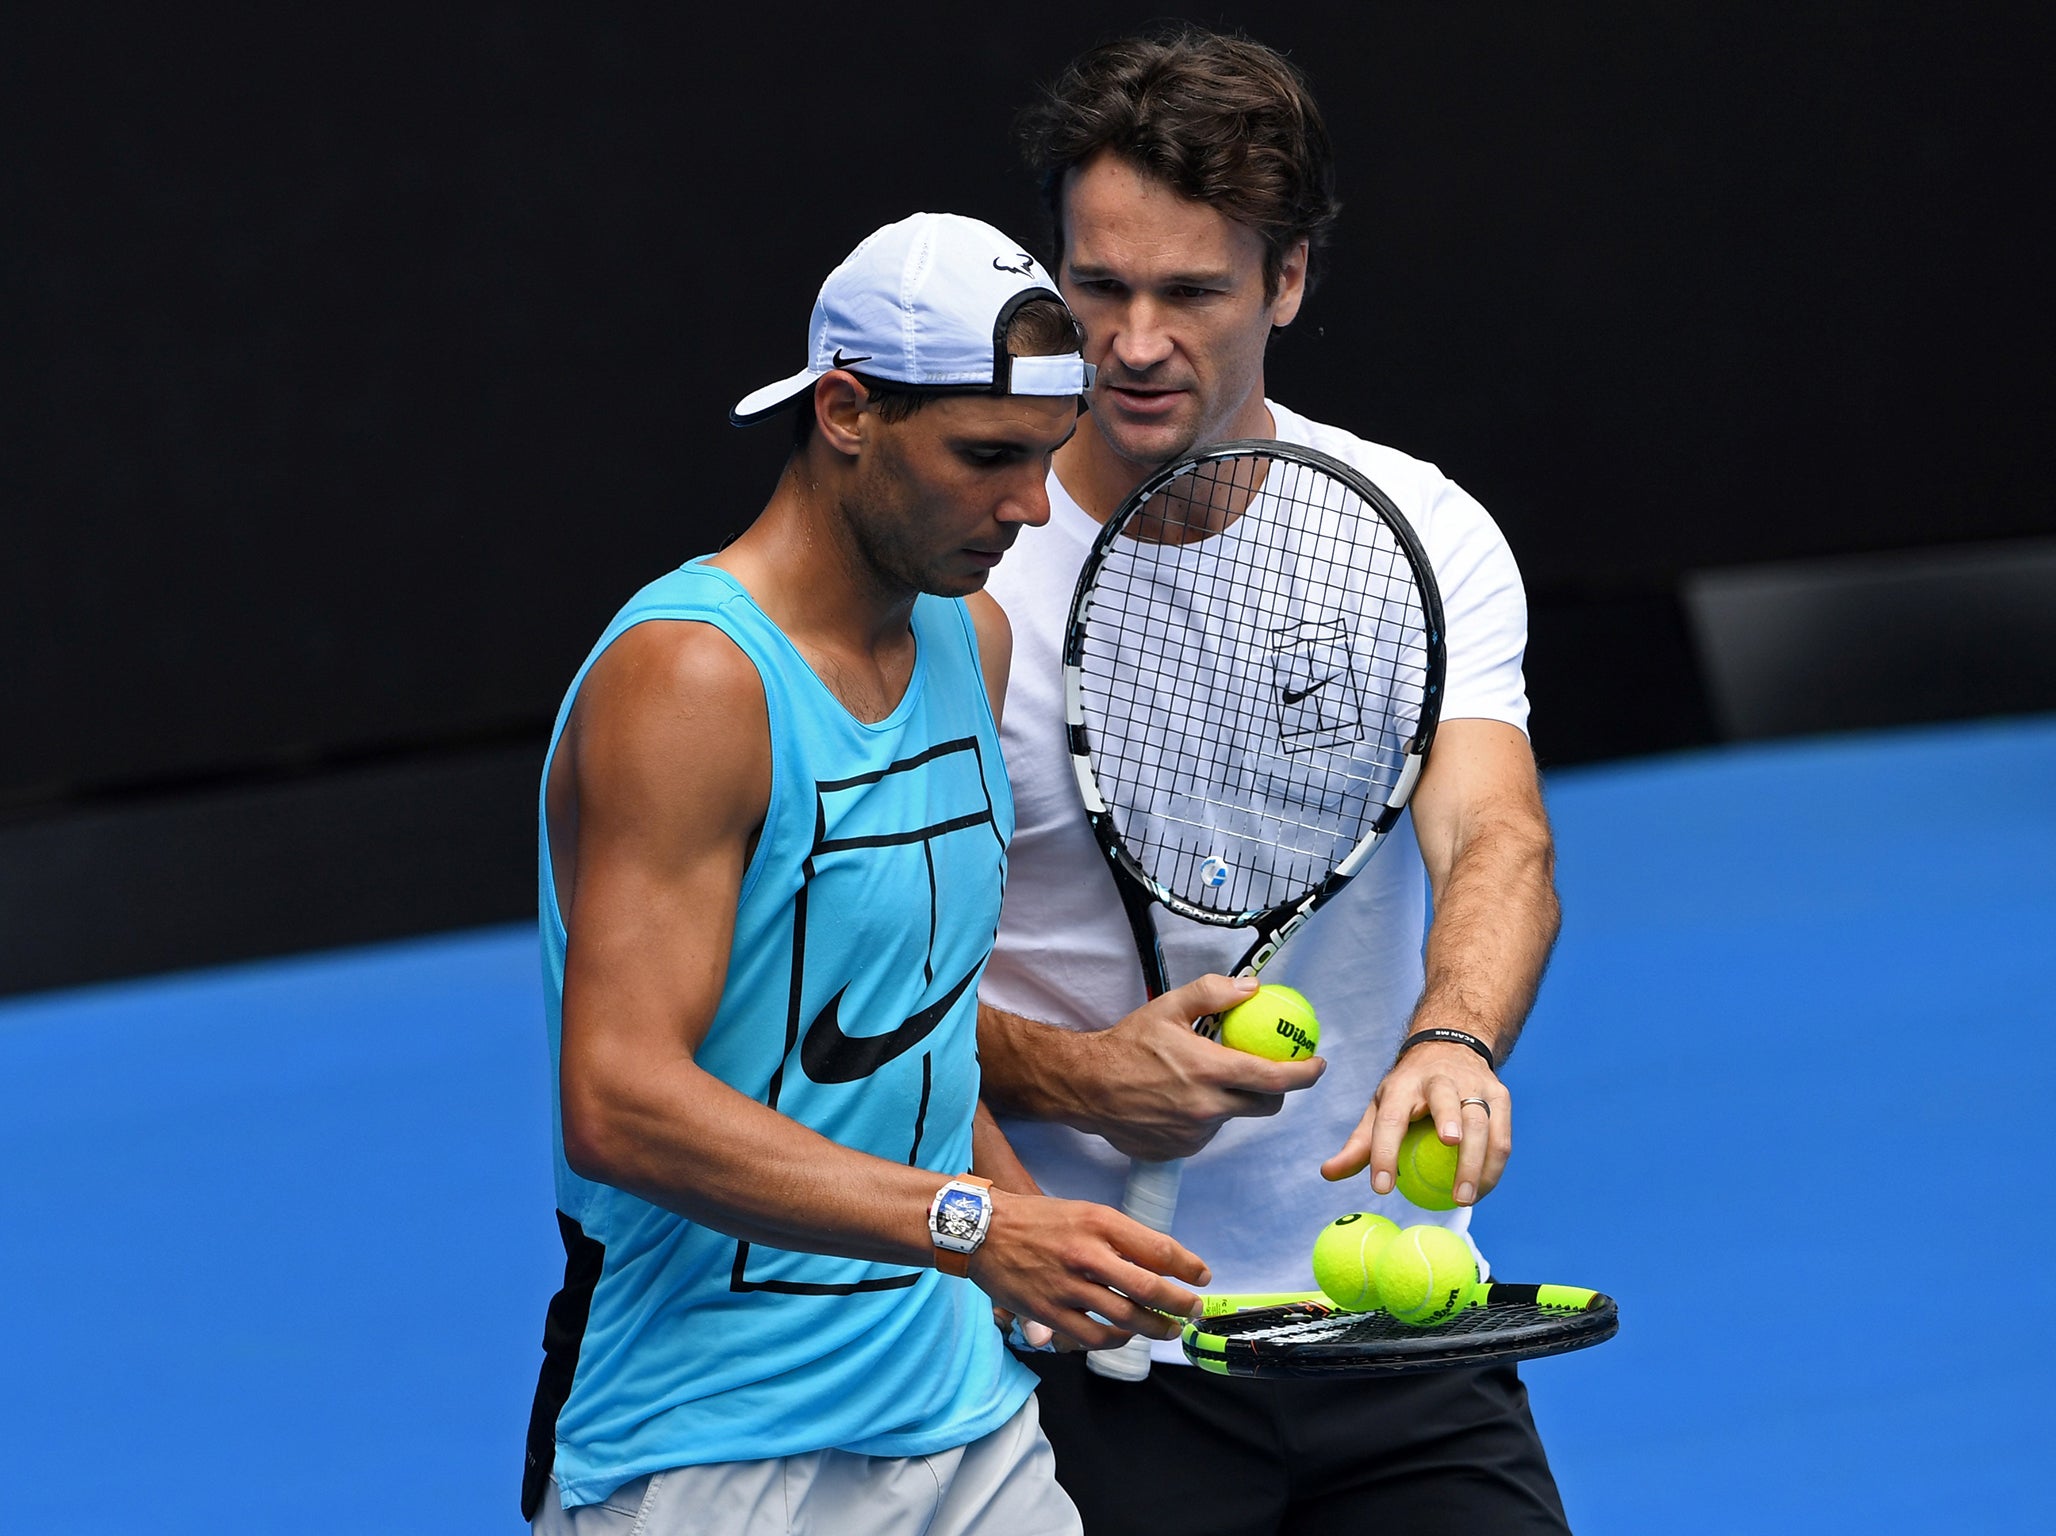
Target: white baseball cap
{"x": 927, "y": 302}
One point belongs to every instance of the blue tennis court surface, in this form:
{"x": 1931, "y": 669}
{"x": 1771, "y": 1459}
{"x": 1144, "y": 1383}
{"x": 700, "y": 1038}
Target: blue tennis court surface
{"x": 278, "y": 1238}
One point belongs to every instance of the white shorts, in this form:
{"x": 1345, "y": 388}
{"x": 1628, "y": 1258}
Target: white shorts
{"x": 1002, "y": 1485}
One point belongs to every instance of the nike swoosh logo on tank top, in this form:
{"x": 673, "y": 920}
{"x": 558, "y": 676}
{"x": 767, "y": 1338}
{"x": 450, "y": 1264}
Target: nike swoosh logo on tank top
{"x": 828, "y": 1055}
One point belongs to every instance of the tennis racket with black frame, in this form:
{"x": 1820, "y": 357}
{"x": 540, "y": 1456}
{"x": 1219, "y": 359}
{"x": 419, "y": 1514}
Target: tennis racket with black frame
{"x": 1252, "y": 678}
{"x": 1311, "y": 1336}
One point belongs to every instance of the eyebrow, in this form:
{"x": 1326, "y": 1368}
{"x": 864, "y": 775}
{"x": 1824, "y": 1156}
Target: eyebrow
{"x": 1209, "y": 278}
{"x": 1016, "y": 444}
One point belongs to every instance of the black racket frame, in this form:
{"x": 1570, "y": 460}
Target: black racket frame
{"x": 1510, "y": 1325}
{"x": 1138, "y": 890}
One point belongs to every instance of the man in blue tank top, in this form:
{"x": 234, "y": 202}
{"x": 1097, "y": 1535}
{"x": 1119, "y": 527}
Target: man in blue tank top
{"x": 773, "y": 832}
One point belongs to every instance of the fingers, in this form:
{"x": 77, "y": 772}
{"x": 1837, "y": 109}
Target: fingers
{"x": 1238, "y": 1070}
{"x": 1209, "y": 994}
{"x": 1476, "y": 1117}
{"x": 1166, "y": 1091}
{"x": 1076, "y": 1330}
{"x": 1355, "y": 1155}
{"x": 1497, "y": 1137}
{"x": 1022, "y": 1332}
{"x": 1127, "y": 1317}
{"x": 1112, "y": 1316}
{"x": 1468, "y": 1106}
{"x": 1463, "y": 1122}
{"x": 1152, "y": 1300}
{"x": 1090, "y": 1273}
{"x": 1144, "y": 1281}
{"x": 1158, "y": 1253}
{"x": 1391, "y": 1114}
{"x": 1474, "y": 1143}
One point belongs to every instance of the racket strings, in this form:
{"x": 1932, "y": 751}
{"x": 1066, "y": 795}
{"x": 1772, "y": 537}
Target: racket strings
{"x": 1253, "y": 667}
{"x": 1297, "y": 1340}
{"x": 1348, "y": 1328}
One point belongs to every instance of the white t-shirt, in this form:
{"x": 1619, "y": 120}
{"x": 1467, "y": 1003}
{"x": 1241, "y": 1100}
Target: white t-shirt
{"x": 1254, "y": 1199}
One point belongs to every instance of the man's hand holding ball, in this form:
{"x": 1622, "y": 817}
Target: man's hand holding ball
{"x": 1274, "y": 1022}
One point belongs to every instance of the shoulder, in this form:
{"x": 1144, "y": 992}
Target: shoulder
{"x": 673, "y": 713}
{"x": 995, "y": 646}
{"x": 1407, "y": 480}
{"x": 989, "y": 623}
{"x": 1452, "y": 524}
{"x": 674, "y": 664}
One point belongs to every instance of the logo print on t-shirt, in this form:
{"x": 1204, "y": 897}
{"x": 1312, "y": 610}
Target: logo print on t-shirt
{"x": 1319, "y": 702}
{"x": 881, "y": 990}
{"x": 828, "y": 1055}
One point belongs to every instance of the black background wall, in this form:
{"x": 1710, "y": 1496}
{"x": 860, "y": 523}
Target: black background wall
{"x": 355, "y": 365}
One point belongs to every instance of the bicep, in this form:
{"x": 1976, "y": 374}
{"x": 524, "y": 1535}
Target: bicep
{"x": 1479, "y": 781}
{"x": 671, "y": 758}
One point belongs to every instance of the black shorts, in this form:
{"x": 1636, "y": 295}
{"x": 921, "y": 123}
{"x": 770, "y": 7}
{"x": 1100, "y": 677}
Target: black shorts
{"x": 1188, "y": 1453}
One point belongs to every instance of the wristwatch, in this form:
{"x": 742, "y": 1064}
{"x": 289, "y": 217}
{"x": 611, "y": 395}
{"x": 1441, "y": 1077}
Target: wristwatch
{"x": 958, "y": 1219}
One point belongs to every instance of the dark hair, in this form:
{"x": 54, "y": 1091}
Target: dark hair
{"x": 1218, "y": 118}
{"x": 1039, "y": 328}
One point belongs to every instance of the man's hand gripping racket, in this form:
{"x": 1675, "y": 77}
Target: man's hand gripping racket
{"x": 1252, "y": 677}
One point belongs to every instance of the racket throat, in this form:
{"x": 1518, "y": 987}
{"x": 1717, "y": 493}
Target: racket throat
{"x": 1149, "y": 949}
{"x": 1295, "y": 920}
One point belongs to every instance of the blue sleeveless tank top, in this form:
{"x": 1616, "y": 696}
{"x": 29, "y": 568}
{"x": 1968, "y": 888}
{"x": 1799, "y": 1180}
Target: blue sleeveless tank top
{"x": 865, "y": 918}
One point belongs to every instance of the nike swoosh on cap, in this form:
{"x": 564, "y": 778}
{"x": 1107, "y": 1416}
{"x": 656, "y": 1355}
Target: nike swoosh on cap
{"x": 844, "y": 362}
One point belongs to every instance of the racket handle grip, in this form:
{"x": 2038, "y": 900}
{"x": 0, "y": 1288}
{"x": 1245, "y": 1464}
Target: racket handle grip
{"x": 1152, "y": 1199}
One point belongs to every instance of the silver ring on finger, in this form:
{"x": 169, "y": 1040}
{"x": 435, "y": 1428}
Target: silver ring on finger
{"x": 1479, "y": 1102}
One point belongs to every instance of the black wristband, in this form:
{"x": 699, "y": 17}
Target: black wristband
{"x": 1449, "y": 1037}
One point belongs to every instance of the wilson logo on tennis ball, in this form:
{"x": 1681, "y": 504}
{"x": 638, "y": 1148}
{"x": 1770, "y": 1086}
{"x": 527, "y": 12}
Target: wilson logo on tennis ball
{"x": 1452, "y": 1304}
{"x": 1299, "y": 1037}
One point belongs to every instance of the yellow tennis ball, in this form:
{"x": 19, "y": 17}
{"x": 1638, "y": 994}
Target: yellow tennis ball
{"x": 1273, "y": 1022}
{"x": 1345, "y": 1254}
{"x": 1427, "y": 1168}
{"x": 1425, "y": 1275}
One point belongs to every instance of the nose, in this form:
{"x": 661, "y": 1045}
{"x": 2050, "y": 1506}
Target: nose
{"x": 1028, "y": 500}
{"x": 1139, "y": 341}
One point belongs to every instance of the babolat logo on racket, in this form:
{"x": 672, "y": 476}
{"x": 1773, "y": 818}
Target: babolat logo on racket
{"x": 1262, "y": 956}
{"x": 1314, "y": 675}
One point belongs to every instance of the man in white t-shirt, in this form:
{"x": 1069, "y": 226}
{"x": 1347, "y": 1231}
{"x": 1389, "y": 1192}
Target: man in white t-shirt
{"x": 1189, "y": 178}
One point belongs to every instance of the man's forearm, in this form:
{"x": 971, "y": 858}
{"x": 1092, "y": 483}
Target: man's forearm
{"x": 1496, "y": 918}
{"x": 1148, "y": 1085}
{"x": 1029, "y": 1069}
{"x": 677, "y": 1136}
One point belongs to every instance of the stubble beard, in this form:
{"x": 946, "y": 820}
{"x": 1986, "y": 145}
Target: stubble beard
{"x": 1147, "y": 458}
{"x": 880, "y": 523}
{"x": 1147, "y": 449}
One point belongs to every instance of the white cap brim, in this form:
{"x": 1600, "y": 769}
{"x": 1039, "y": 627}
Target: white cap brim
{"x": 1065, "y": 374}
{"x": 772, "y": 398}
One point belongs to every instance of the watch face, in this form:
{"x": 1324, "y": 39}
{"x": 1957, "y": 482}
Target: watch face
{"x": 957, "y": 1214}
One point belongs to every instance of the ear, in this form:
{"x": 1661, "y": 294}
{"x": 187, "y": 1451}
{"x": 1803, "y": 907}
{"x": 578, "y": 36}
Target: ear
{"x": 839, "y": 401}
{"x": 1291, "y": 285}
